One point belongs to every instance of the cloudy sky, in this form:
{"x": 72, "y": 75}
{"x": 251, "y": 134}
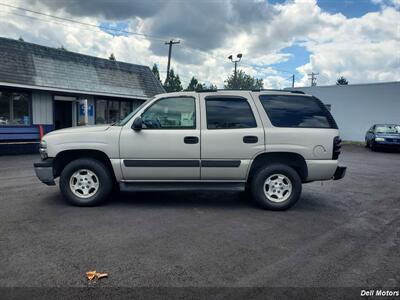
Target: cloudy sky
{"x": 358, "y": 39}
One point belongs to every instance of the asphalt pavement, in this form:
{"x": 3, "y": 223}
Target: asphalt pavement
{"x": 340, "y": 234}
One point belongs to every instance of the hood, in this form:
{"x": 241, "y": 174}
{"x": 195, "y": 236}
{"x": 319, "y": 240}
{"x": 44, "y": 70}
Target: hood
{"x": 80, "y": 129}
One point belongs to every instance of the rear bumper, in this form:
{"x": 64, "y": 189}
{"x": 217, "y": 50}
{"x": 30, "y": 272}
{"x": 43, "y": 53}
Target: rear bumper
{"x": 339, "y": 173}
{"x": 44, "y": 171}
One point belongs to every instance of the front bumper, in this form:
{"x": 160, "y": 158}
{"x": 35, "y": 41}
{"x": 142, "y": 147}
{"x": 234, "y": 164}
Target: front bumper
{"x": 339, "y": 173}
{"x": 44, "y": 171}
{"x": 387, "y": 144}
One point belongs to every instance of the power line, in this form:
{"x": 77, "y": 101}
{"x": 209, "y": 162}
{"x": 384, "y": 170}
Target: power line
{"x": 154, "y": 37}
{"x": 39, "y": 19}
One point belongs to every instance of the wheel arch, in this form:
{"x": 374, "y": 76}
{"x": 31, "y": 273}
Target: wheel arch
{"x": 294, "y": 160}
{"x": 65, "y": 157}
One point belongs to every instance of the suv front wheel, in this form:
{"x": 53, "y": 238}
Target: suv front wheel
{"x": 276, "y": 187}
{"x": 85, "y": 182}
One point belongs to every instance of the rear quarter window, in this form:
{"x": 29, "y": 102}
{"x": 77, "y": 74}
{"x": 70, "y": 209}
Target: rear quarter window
{"x": 297, "y": 111}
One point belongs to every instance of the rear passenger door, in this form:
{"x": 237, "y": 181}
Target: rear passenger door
{"x": 231, "y": 135}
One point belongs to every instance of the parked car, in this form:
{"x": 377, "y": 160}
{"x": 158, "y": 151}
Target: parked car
{"x": 383, "y": 135}
{"x": 265, "y": 142}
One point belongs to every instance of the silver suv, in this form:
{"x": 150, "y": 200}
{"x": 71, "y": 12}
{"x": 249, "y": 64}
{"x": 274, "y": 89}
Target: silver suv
{"x": 266, "y": 143}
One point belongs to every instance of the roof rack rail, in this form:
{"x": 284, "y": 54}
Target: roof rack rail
{"x": 273, "y": 90}
{"x": 252, "y": 90}
{"x": 278, "y": 90}
{"x": 207, "y": 91}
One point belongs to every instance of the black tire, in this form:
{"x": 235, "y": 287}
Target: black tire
{"x": 105, "y": 182}
{"x": 262, "y": 174}
{"x": 366, "y": 144}
{"x": 372, "y": 146}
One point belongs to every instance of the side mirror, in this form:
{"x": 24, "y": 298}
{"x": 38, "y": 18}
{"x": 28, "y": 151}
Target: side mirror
{"x": 137, "y": 124}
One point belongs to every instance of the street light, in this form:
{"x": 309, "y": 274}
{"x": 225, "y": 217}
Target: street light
{"x": 235, "y": 61}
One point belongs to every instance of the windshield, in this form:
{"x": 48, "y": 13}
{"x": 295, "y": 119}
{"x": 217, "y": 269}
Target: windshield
{"x": 125, "y": 120}
{"x": 387, "y": 129}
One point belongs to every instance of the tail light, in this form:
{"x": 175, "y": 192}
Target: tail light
{"x": 337, "y": 145}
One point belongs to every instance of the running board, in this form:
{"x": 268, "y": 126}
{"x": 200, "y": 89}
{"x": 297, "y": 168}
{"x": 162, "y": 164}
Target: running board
{"x": 181, "y": 186}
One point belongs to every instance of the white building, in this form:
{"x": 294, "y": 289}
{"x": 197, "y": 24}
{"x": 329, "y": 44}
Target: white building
{"x": 357, "y": 107}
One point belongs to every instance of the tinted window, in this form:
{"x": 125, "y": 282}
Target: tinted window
{"x": 171, "y": 113}
{"x": 297, "y": 111}
{"x": 229, "y": 113}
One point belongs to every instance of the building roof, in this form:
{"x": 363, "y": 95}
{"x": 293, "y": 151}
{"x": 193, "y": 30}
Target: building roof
{"x": 36, "y": 66}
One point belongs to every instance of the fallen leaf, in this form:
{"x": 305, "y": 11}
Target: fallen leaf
{"x": 95, "y": 275}
{"x": 101, "y": 275}
{"x": 91, "y": 275}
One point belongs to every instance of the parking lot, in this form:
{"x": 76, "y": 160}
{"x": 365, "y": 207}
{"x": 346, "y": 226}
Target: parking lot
{"x": 344, "y": 233}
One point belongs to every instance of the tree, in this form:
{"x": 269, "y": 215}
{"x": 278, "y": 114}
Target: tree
{"x": 195, "y": 85}
{"x": 212, "y": 87}
{"x": 243, "y": 82}
{"x": 342, "y": 81}
{"x": 156, "y": 72}
{"x": 62, "y": 48}
{"x": 173, "y": 84}
{"x": 112, "y": 57}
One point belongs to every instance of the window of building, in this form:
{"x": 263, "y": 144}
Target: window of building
{"x": 126, "y": 108}
{"x": 111, "y": 111}
{"x": 229, "y": 113}
{"x": 171, "y": 113}
{"x": 297, "y": 111}
{"x": 14, "y": 108}
{"x": 101, "y": 112}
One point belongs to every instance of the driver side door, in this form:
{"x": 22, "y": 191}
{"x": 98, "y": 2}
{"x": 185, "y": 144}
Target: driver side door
{"x": 168, "y": 145}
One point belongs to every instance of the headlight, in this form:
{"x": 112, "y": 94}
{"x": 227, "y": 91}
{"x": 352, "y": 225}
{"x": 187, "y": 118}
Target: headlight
{"x": 378, "y": 139}
{"x": 43, "y": 149}
{"x": 43, "y": 144}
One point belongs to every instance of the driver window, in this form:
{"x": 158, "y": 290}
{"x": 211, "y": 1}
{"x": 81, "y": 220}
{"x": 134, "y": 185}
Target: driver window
{"x": 171, "y": 113}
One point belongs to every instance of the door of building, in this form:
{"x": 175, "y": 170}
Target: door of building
{"x": 62, "y": 114}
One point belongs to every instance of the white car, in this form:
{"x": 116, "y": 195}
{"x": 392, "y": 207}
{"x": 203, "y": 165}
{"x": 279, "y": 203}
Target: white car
{"x": 264, "y": 142}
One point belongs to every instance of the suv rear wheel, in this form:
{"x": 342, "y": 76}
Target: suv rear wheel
{"x": 276, "y": 187}
{"x": 85, "y": 182}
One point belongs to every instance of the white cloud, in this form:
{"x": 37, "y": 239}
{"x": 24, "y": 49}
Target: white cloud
{"x": 364, "y": 49}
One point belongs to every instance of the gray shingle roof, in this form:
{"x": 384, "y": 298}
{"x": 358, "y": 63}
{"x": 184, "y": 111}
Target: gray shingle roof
{"x": 35, "y": 65}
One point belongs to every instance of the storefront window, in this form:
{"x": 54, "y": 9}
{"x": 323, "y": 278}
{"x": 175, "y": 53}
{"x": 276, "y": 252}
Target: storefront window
{"x": 111, "y": 111}
{"x": 101, "y": 111}
{"x": 126, "y": 108}
{"x": 14, "y": 108}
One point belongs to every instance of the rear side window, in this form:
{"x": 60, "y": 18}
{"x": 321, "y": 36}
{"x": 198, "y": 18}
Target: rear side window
{"x": 229, "y": 113}
{"x": 297, "y": 111}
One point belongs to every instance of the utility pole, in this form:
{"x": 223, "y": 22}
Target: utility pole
{"x": 239, "y": 57}
{"x": 313, "y": 77}
{"x": 170, "y": 43}
{"x": 293, "y": 81}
